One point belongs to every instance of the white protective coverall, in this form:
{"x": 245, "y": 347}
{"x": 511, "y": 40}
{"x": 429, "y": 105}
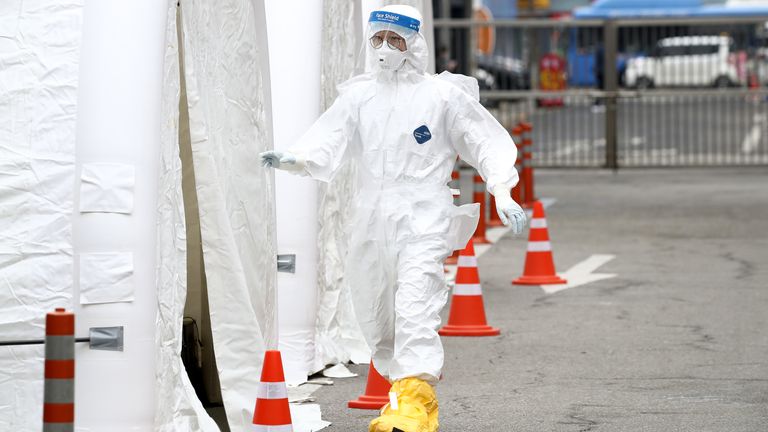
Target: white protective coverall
{"x": 404, "y": 129}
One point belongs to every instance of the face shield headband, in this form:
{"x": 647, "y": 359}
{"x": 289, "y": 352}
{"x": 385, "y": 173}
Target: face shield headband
{"x": 396, "y": 19}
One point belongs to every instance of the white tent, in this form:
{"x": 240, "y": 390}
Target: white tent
{"x": 101, "y": 215}
{"x": 92, "y": 207}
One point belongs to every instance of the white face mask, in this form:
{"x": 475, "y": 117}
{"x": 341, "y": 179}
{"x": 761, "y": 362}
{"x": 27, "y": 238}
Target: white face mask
{"x": 390, "y": 58}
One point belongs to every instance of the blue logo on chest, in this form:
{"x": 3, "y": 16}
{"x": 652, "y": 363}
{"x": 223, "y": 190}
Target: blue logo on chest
{"x": 422, "y": 134}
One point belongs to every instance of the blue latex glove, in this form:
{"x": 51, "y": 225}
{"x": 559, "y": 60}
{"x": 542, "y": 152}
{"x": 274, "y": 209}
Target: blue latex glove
{"x": 278, "y": 159}
{"x": 510, "y": 212}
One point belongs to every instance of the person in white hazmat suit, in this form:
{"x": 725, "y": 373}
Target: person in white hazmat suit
{"x": 404, "y": 129}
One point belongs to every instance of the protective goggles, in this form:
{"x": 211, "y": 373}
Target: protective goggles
{"x": 394, "y": 41}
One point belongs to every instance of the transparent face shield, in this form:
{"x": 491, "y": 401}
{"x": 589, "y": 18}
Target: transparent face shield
{"x": 387, "y": 43}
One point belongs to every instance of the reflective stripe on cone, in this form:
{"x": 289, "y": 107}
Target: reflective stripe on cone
{"x": 467, "y": 290}
{"x": 265, "y": 428}
{"x": 539, "y": 246}
{"x": 467, "y": 261}
{"x": 269, "y": 390}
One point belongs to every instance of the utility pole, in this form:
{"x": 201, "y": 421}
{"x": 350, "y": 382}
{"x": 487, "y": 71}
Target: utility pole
{"x": 610, "y": 88}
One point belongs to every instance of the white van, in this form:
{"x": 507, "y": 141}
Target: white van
{"x": 685, "y": 61}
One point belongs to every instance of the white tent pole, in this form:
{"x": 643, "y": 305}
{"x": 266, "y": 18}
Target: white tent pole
{"x": 119, "y": 122}
{"x": 294, "y": 35}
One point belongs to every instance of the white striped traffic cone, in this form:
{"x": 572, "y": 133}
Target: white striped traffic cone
{"x": 272, "y": 412}
{"x": 539, "y": 263}
{"x": 467, "y": 317}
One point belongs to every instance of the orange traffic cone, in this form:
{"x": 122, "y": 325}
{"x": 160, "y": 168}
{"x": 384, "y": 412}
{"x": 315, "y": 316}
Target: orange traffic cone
{"x": 272, "y": 412}
{"x": 517, "y": 191}
{"x": 376, "y": 392}
{"x": 493, "y": 218}
{"x": 753, "y": 81}
{"x": 453, "y": 259}
{"x": 527, "y": 165}
{"x": 539, "y": 264}
{"x": 479, "y": 197}
{"x": 467, "y": 317}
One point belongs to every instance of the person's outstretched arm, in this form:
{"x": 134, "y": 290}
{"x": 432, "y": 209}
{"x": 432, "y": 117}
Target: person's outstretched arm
{"x": 483, "y": 143}
{"x": 321, "y": 150}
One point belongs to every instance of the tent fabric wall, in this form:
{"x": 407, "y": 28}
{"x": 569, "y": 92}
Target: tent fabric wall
{"x": 39, "y": 66}
{"x": 224, "y": 47}
{"x": 338, "y": 336}
{"x": 178, "y": 407}
{"x": 39, "y": 94}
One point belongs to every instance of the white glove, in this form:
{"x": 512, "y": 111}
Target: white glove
{"x": 510, "y": 212}
{"x": 281, "y": 160}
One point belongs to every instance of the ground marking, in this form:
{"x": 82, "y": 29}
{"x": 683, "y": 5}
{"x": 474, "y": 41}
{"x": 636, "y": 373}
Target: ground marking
{"x": 582, "y": 274}
{"x": 572, "y": 147}
{"x": 752, "y": 138}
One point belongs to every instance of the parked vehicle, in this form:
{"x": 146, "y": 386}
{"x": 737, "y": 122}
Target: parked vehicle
{"x": 486, "y": 82}
{"x": 508, "y": 73}
{"x": 688, "y": 61}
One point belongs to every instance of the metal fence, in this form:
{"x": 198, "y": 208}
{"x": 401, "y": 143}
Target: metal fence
{"x": 622, "y": 93}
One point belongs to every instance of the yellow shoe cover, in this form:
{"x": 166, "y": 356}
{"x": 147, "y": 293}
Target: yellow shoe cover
{"x": 416, "y": 411}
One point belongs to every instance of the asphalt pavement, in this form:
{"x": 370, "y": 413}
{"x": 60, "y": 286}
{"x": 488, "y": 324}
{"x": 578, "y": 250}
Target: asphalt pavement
{"x": 677, "y": 341}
